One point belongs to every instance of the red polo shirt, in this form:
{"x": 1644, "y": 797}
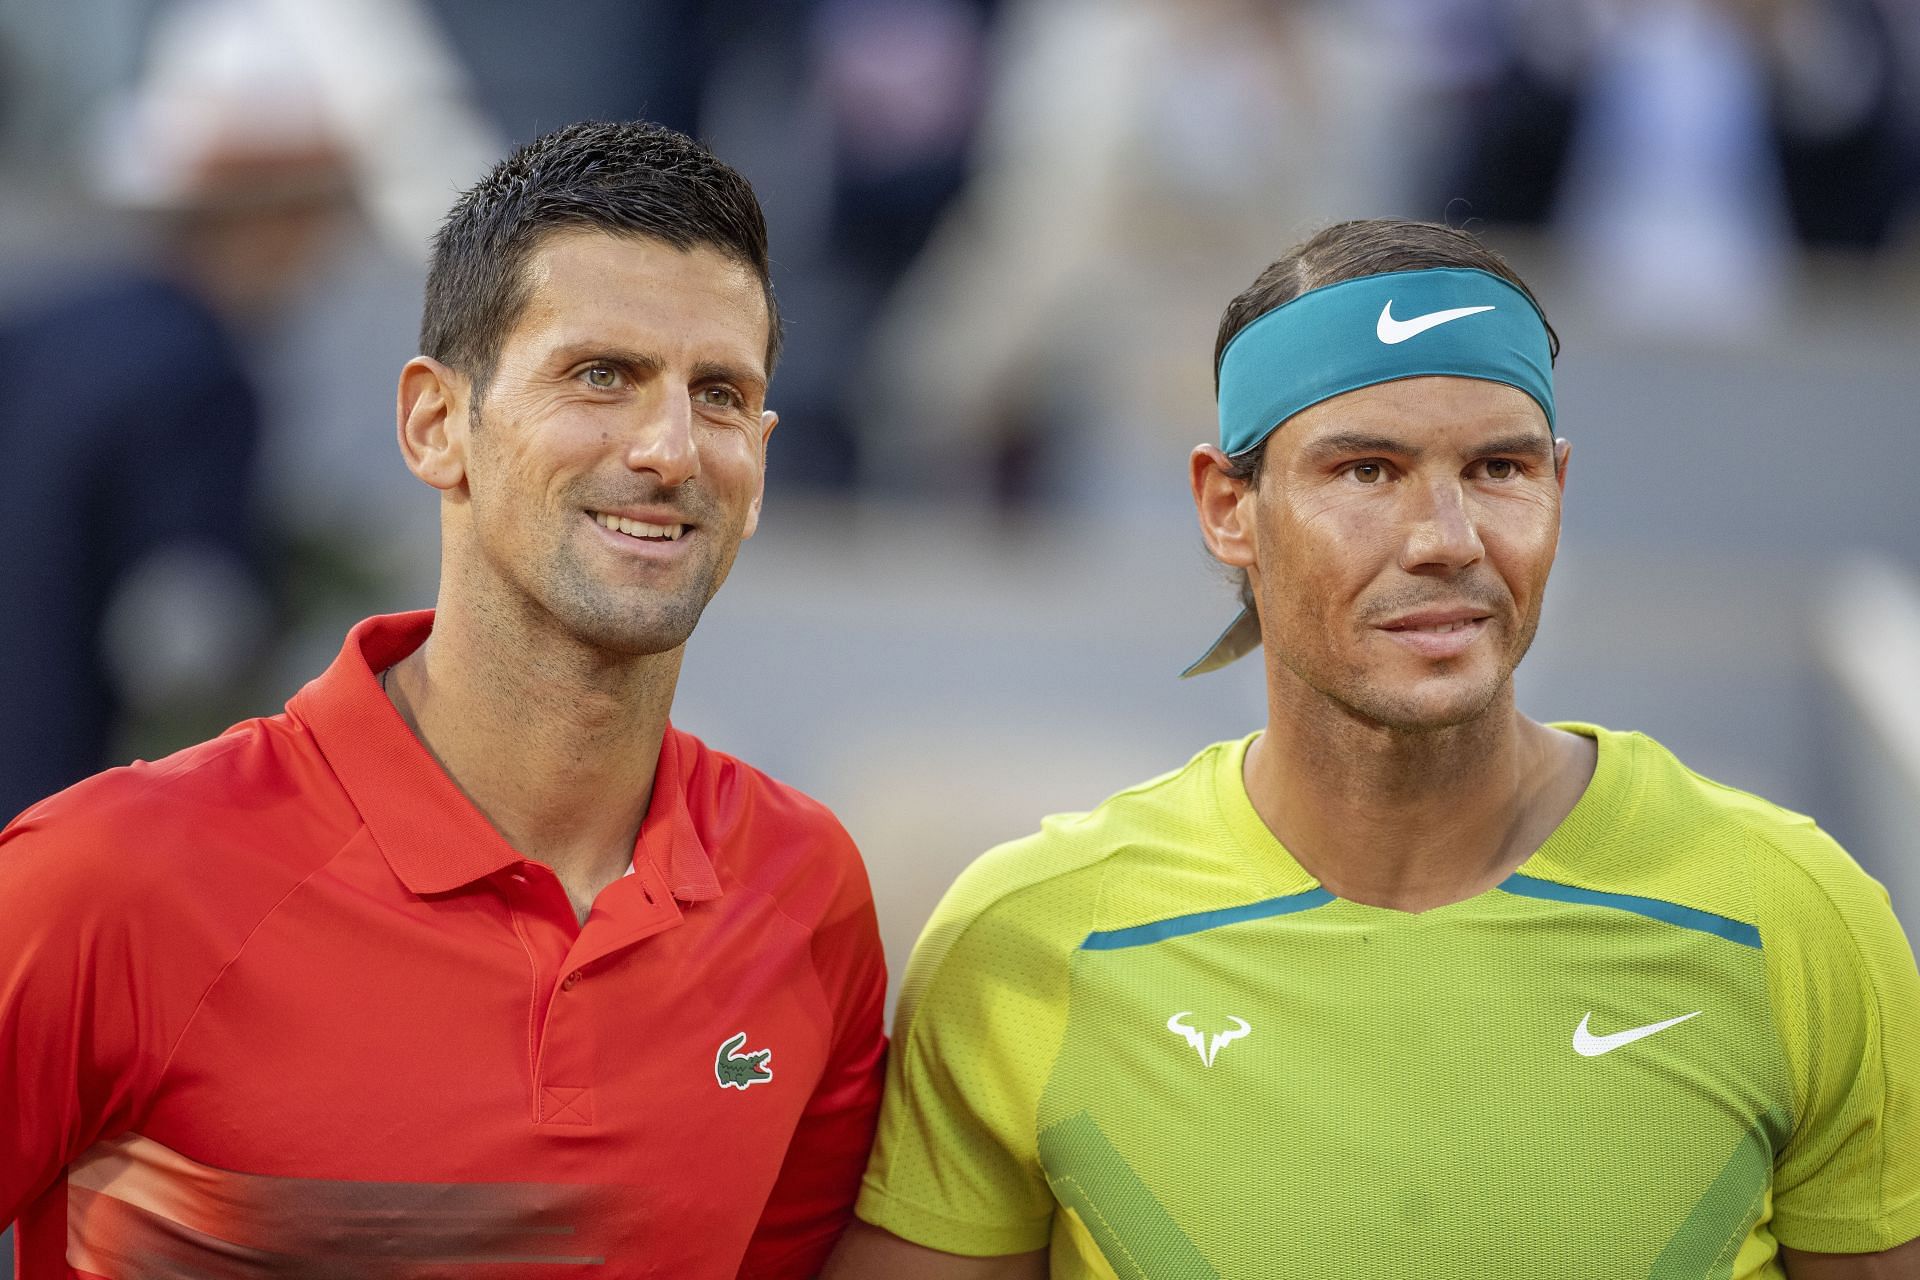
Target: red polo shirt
{"x": 285, "y": 1003}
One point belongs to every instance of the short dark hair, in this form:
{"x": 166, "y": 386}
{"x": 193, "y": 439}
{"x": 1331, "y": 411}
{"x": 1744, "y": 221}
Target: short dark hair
{"x": 625, "y": 178}
{"x": 1348, "y": 251}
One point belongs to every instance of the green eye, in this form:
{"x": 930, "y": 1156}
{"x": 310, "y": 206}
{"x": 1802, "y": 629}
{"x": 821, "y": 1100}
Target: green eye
{"x": 602, "y": 377}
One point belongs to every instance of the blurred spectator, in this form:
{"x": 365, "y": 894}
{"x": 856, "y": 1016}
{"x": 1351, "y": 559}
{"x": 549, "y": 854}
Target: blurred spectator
{"x": 128, "y": 425}
{"x": 890, "y": 94}
{"x": 537, "y": 67}
{"x": 853, "y": 118}
{"x": 1140, "y": 159}
{"x": 1688, "y": 145}
{"x": 1847, "y": 151}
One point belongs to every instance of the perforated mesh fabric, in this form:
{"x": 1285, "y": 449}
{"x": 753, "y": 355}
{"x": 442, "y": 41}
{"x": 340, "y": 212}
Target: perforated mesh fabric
{"x": 1146, "y": 1037}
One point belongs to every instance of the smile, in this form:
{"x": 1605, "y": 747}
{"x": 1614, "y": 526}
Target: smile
{"x": 1437, "y": 637}
{"x": 1441, "y": 628}
{"x": 639, "y": 528}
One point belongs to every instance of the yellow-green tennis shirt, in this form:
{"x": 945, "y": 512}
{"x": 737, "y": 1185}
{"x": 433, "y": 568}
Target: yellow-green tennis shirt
{"x": 1686, "y": 1028}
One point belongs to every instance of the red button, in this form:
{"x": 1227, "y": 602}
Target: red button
{"x": 570, "y": 980}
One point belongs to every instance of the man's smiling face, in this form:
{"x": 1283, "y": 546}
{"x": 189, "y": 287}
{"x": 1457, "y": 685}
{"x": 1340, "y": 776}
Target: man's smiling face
{"x": 1402, "y": 536}
{"x": 617, "y": 458}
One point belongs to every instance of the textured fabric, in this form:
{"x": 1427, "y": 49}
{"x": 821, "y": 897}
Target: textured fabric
{"x": 1686, "y": 1029}
{"x": 1450, "y": 321}
{"x": 285, "y": 1003}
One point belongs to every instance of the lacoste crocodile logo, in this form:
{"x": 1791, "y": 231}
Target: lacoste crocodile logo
{"x": 1207, "y": 1047}
{"x": 741, "y": 1070}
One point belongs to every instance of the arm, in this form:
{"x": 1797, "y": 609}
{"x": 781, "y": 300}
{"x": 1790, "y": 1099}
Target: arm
{"x": 1902, "y": 1262}
{"x": 1846, "y": 1194}
{"x": 812, "y": 1199}
{"x": 868, "y": 1253}
{"x": 65, "y": 1024}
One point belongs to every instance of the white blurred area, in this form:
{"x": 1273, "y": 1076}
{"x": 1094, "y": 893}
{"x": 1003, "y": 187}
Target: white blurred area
{"x": 981, "y": 620}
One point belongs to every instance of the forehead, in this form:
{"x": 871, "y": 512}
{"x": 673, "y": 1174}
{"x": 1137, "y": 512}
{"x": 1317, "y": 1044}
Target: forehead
{"x": 1424, "y": 413}
{"x": 588, "y": 285}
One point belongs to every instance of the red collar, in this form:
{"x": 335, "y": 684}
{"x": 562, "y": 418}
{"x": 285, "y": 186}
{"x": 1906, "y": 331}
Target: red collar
{"x": 431, "y": 834}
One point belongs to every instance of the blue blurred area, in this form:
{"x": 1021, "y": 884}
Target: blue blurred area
{"x": 102, "y": 459}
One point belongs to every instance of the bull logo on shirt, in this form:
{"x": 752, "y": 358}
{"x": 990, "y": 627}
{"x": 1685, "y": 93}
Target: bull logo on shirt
{"x": 736, "y": 1070}
{"x": 1208, "y": 1047}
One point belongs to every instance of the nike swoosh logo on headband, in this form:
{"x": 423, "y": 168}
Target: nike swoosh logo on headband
{"x": 1393, "y": 331}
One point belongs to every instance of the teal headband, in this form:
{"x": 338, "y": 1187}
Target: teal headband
{"x": 1447, "y": 321}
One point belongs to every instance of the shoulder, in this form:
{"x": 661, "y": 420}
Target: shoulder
{"x": 1153, "y": 831}
{"x": 1652, "y": 827}
{"x": 254, "y": 807}
{"x": 1021, "y": 909}
{"x": 1795, "y": 871}
{"x": 729, "y": 793}
{"x": 766, "y": 834}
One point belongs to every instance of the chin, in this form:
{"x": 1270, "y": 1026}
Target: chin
{"x": 1428, "y": 707}
{"x": 626, "y": 628}
{"x": 638, "y": 637}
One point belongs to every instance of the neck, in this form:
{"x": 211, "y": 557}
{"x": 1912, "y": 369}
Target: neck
{"x": 1409, "y": 819}
{"x": 554, "y": 741}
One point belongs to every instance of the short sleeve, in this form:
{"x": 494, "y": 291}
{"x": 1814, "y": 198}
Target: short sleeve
{"x": 1847, "y": 1000}
{"x": 982, "y": 1013}
{"x": 812, "y": 1199}
{"x": 72, "y": 1022}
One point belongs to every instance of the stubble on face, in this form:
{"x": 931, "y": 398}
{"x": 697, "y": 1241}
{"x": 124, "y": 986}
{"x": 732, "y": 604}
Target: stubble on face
{"x": 1335, "y": 564}
{"x": 548, "y": 449}
{"x": 1452, "y": 696}
{"x": 625, "y": 619}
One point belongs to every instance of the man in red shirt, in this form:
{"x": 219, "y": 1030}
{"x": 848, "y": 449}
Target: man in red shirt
{"x": 469, "y": 962}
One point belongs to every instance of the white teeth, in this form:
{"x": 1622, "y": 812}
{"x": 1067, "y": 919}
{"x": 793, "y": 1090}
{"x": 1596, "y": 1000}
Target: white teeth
{"x": 639, "y": 528}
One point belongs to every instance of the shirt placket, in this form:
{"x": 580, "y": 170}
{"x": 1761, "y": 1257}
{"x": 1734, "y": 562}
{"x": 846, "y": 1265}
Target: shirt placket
{"x": 571, "y": 969}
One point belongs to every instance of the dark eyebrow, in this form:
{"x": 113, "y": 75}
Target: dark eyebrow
{"x": 643, "y": 366}
{"x": 1525, "y": 444}
{"x": 631, "y": 361}
{"x": 1346, "y": 443}
{"x": 720, "y": 371}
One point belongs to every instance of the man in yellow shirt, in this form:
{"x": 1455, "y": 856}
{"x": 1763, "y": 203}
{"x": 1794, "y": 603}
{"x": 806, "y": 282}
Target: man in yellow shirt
{"x": 1406, "y": 984}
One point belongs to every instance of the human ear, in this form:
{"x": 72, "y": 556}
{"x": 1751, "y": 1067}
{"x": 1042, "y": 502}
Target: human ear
{"x": 1562, "y": 451}
{"x": 432, "y": 414}
{"x": 1224, "y": 506}
{"x": 768, "y": 421}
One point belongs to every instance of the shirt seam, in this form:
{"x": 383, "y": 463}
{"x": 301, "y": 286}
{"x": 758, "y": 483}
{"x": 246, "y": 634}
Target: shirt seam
{"x": 167, "y": 1065}
{"x": 813, "y": 963}
{"x": 910, "y": 1036}
{"x": 1903, "y": 1216}
{"x": 997, "y": 900}
{"x": 534, "y": 1046}
{"x": 881, "y": 1192}
{"x": 1229, "y": 775}
{"x": 1862, "y": 971}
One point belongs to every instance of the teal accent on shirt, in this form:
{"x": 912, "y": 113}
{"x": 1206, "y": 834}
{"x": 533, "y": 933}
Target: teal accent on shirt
{"x": 1653, "y": 908}
{"x": 1161, "y": 930}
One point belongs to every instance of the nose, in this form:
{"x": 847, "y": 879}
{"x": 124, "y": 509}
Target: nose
{"x": 1441, "y": 533}
{"x": 661, "y": 439}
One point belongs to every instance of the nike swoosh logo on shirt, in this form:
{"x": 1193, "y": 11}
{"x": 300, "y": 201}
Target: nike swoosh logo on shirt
{"x": 1588, "y": 1045}
{"x": 1393, "y": 331}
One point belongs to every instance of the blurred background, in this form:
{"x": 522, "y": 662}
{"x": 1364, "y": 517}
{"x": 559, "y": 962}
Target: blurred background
{"x": 1003, "y": 232}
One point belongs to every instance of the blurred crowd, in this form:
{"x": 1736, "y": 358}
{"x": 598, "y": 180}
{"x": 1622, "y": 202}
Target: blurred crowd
{"x": 1003, "y": 231}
